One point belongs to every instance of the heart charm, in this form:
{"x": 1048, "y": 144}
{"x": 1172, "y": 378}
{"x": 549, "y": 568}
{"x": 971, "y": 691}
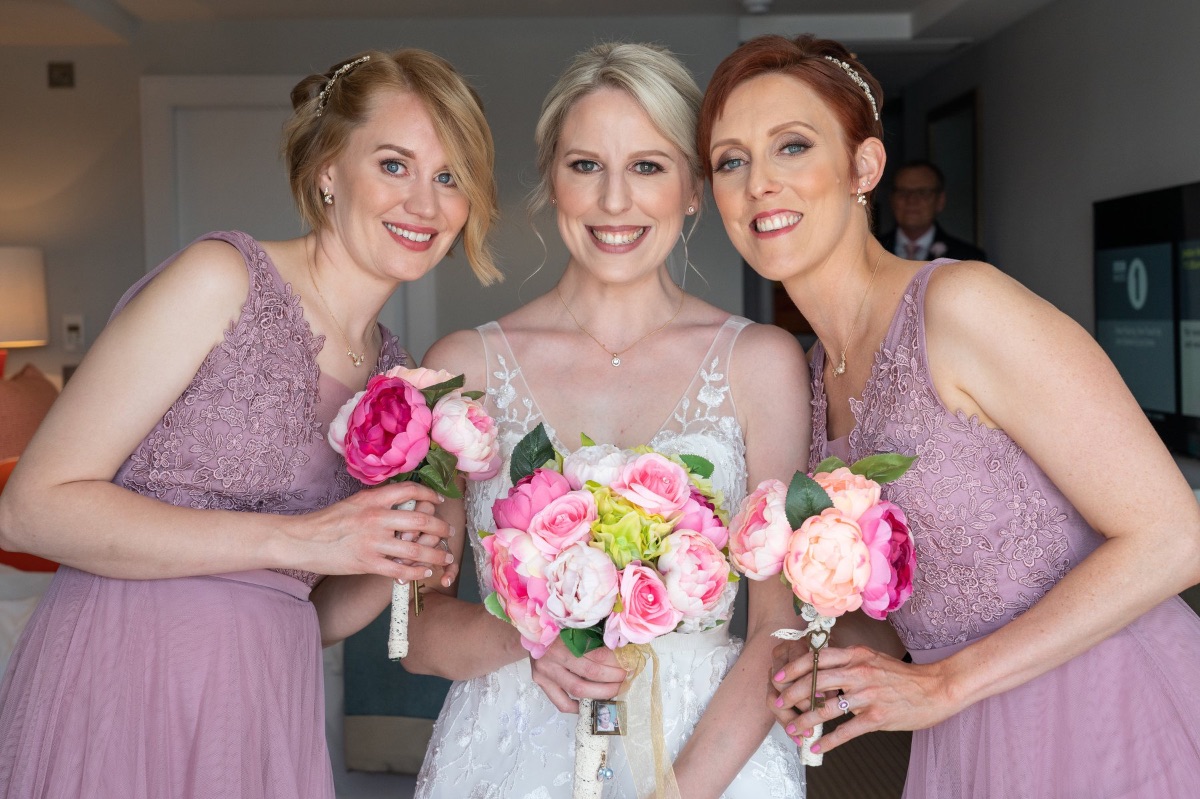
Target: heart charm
{"x": 818, "y": 639}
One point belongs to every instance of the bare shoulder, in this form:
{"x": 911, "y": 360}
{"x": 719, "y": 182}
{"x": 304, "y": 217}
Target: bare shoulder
{"x": 769, "y": 356}
{"x": 460, "y": 352}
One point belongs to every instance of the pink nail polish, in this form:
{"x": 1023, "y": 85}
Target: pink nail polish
{"x": 791, "y": 729}
{"x": 779, "y": 702}
{"x": 779, "y": 677}
{"x": 815, "y": 749}
{"x": 808, "y": 733}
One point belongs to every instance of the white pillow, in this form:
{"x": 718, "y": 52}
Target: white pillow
{"x": 17, "y": 584}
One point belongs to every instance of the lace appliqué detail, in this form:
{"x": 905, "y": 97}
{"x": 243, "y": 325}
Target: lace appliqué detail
{"x": 990, "y": 529}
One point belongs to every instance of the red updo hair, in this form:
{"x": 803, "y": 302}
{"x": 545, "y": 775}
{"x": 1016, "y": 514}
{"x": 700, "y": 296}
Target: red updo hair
{"x": 805, "y": 58}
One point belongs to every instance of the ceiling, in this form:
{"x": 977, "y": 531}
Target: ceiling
{"x": 905, "y": 38}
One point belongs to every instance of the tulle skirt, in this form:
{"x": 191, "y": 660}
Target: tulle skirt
{"x": 199, "y": 687}
{"x": 1120, "y": 721}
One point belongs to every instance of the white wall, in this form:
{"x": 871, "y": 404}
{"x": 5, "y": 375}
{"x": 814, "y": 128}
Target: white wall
{"x": 72, "y": 160}
{"x": 1081, "y": 101}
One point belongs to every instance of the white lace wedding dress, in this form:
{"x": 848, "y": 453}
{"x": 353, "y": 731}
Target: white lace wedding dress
{"x": 498, "y": 736}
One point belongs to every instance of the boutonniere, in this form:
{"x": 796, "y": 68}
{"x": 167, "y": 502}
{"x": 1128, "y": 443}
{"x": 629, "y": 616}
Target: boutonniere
{"x": 937, "y": 249}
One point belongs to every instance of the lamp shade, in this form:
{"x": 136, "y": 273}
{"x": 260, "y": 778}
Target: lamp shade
{"x": 23, "y": 318}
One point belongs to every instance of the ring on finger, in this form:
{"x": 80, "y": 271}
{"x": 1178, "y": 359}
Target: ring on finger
{"x": 842, "y": 704}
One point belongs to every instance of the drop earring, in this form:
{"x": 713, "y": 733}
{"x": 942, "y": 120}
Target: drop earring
{"x": 326, "y": 196}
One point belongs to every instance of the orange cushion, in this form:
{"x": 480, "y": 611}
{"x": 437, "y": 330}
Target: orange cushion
{"x": 19, "y": 560}
{"x": 25, "y": 399}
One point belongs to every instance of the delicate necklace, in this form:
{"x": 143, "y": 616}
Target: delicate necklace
{"x": 616, "y": 356}
{"x": 840, "y": 369}
{"x": 355, "y": 358}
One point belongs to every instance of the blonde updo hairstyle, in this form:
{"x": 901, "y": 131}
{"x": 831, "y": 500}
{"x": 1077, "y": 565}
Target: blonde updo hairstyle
{"x": 327, "y": 108}
{"x": 650, "y": 74}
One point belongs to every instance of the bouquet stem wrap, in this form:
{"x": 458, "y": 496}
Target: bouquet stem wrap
{"x": 401, "y": 592}
{"x": 818, "y": 628}
{"x": 591, "y": 754}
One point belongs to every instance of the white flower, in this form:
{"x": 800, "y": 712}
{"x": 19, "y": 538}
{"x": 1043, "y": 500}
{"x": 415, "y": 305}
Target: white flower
{"x": 582, "y": 583}
{"x": 600, "y": 463}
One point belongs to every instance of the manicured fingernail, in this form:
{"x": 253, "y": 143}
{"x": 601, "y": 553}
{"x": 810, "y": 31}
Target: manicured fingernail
{"x": 799, "y": 741}
{"x": 441, "y": 498}
{"x": 779, "y": 702}
{"x": 449, "y": 558}
{"x": 429, "y": 572}
{"x": 791, "y": 729}
{"x": 779, "y": 677}
{"x": 807, "y": 733}
{"x": 815, "y": 749}
{"x": 820, "y": 696}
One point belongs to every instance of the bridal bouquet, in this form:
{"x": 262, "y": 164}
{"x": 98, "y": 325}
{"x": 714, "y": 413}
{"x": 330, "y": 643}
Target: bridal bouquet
{"x": 609, "y": 547}
{"x": 838, "y": 544}
{"x": 418, "y": 425}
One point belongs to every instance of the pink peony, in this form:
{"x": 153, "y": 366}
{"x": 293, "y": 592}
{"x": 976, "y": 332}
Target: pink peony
{"x": 463, "y": 428}
{"x": 582, "y": 582}
{"x": 386, "y": 430}
{"x": 531, "y": 493}
{"x": 600, "y": 463}
{"x": 694, "y": 572}
{"x": 827, "y": 563}
{"x": 850, "y": 493}
{"x": 893, "y": 559}
{"x": 654, "y": 483}
{"x": 760, "y": 531}
{"x": 698, "y": 514}
{"x": 420, "y": 377}
{"x": 518, "y": 578}
{"x": 565, "y": 521}
{"x": 646, "y": 611}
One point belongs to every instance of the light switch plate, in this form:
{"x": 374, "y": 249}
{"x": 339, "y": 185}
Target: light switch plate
{"x": 72, "y": 332}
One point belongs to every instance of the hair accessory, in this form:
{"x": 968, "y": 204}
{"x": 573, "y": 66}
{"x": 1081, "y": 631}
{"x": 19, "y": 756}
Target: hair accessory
{"x": 327, "y": 196}
{"x": 843, "y": 705}
{"x": 342, "y": 70}
{"x": 854, "y": 76}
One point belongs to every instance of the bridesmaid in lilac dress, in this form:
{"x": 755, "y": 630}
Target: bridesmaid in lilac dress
{"x": 184, "y": 482}
{"x": 1051, "y": 655}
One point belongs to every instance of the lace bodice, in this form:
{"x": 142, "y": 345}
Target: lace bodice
{"x": 993, "y": 533}
{"x": 248, "y": 433}
{"x": 703, "y": 423}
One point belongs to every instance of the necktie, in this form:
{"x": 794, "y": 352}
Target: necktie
{"x": 911, "y": 250}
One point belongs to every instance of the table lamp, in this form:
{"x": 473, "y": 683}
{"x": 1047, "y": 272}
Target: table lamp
{"x": 23, "y": 317}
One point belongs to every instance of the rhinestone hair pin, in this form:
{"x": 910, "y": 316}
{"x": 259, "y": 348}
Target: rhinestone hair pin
{"x": 854, "y": 76}
{"x": 342, "y": 70}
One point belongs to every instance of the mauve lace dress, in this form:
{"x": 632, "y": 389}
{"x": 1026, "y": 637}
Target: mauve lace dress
{"x": 993, "y": 535}
{"x": 199, "y": 687}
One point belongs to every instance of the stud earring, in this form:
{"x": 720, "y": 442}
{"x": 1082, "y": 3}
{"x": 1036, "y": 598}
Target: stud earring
{"x": 553, "y": 201}
{"x": 326, "y": 196}
{"x": 691, "y": 210}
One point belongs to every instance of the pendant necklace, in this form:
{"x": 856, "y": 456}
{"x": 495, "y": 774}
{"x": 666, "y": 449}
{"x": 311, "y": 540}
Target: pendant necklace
{"x": 840, "y": 369}
{"x": 355, "y": 358}
{"x": 616, "y": 356}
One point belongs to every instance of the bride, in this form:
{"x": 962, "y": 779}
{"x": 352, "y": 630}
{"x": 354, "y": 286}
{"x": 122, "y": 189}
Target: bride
{"x": 619, "y": 352}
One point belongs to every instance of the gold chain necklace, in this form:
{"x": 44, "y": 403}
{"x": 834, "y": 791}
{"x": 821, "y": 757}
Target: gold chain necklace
{"x": 616, "y": 356}
{"x": 840, "y": 369}
{"x": 355, "y": 358}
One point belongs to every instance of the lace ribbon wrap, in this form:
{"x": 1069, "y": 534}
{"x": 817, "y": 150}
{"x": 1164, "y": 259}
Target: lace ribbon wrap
{"x": 819, "y": 628}
{"x": 401, "y": 593}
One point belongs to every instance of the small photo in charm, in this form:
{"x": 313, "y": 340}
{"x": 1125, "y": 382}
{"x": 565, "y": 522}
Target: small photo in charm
{"x": 606, "y": 717}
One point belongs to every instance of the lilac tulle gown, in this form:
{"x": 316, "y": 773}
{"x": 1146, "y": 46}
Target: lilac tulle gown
{"x": 200, "y": 687}
{"x": 993, "y": 535}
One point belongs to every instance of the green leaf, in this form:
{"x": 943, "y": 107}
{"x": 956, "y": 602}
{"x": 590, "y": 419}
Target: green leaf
{"x": 587, "y": 441}
{"x": 492, "y": 603}
{"x": 440, "y": 472}
{"x": 530, "y": 453}
{"x": 697, "y": 465}
{"x": 580, "y": 642}
{"x": 473, "y": 394}
{"x": 829, "y": 464}
{"x": 805, "y": 498}
{"x": 438, "y": 390}
{"x": 884, "y": 467}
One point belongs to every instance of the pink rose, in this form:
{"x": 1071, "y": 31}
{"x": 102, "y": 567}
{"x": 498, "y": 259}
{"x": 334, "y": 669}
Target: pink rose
{"x": 420, "y": 377}
{"x": 828, "y": 564}
{"x": 600, "y": 463}
{"x": 654, "y": 483}
{"x": 698, "y": 514}
{"x": 850, "y": 493}
{"x": 518, "y": 578}
{"x": 531, "y": 493}
{"x": 582, "y": 582}
{"x": 760, "y": 532}
{"x": 463, "y": 428}
{"x": 646, "y": 611}
{"x": 565, "y": 521}
{"x": 694, "y": 572}
{"x": 893, "y": 559}
{"x": 386, "y": 430}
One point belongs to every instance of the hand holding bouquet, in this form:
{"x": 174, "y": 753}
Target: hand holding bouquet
{"x": 418, "y": 425}
{"x": 838, "y": 544}
{"x": 609, "y": 547}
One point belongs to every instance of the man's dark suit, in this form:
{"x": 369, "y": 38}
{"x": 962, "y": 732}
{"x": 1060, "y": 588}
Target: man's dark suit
{"x": 944, "y": 246}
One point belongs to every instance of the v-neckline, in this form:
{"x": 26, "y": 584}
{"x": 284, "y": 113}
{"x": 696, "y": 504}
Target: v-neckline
{"x": 552, "y": 431}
